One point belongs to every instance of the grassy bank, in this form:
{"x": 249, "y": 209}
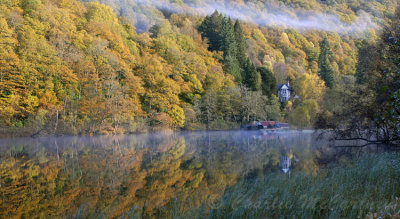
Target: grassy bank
{"x": 368, "y": 186}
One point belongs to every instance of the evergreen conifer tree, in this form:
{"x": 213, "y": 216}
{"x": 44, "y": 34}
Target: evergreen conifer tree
{"x": 210, "y": 28}
{"x": 252, "y": 77}
{"x": 325, "y": 70}
{"x": 231, "y": 66}
{"x": 227, "y": 41}
{"x": 268, "y": 81}
{"x": 223, "y": 36}
{"x": 229, "y": 47}
{"x": 241, "y": 54}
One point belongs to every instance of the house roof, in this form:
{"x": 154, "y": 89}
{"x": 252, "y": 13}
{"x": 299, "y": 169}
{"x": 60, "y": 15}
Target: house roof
{"x": 267, "y": 123}
{"x": 280, "y": 86}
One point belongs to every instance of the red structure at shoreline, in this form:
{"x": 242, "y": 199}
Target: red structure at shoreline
{"x": 266, "y": 125}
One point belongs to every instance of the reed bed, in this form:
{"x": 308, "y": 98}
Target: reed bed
{"x": 366, "y": 187}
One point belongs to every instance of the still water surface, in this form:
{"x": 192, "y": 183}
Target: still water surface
{"x": 147, "y": 175}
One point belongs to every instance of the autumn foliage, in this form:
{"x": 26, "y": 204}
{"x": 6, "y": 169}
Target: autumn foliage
{"x": 72, "y": 67}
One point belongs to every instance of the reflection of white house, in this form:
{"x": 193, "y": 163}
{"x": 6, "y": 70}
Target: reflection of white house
{"x": 284, "y": 92}
{"x": 285, "y": 164}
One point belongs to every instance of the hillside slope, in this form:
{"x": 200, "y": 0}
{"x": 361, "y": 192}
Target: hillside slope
{"x": 79, "y": 68}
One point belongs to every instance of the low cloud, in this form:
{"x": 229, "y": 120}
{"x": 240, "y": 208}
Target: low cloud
{"x": 281, "y": 16}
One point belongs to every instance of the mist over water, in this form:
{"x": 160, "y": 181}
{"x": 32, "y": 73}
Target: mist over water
{"x": 158, "y": 175}
{"x": 281, "y": 16}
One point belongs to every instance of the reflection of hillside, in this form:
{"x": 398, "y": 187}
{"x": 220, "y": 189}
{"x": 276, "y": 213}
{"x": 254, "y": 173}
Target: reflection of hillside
{"x": 143, "y": 175}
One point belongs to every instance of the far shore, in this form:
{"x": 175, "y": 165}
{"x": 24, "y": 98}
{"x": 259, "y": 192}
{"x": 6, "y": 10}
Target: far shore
{"x": 15, "y": 134}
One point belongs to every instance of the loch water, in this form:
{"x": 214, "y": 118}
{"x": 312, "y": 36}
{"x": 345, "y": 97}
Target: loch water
{"x": 155, "y": 175}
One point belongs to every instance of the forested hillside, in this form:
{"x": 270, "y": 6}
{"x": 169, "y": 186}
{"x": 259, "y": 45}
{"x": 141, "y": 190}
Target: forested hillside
{"x": 70, "y": 67}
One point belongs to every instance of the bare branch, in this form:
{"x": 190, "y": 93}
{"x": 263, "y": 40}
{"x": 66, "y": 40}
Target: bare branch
{"x": 358, "y": 138}
{"x": 357, "y": 146}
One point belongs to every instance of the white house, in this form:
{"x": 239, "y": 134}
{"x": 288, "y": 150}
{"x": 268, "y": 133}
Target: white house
{"x": 284, "y": 92}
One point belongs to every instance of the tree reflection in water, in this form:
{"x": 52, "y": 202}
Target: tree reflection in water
{"x": 142, "y": 175}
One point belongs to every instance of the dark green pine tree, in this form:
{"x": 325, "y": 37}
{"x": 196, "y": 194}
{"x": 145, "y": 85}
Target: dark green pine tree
{"x": 228, "y": 46}
{"x": 210, "y": 28}
{"x": 268, "y": 81}
{"x": 221, "y": 36}
{"x": 231, "y": 66}
{"x": 252, "y": 77}
{"x": 241, "y": 54}
{"x": 228, "y": 41}
{"x": 325, "y": 70}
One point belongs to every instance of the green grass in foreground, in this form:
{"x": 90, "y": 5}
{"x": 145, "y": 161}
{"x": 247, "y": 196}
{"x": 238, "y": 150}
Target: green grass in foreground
{"x": 369, "y": 186}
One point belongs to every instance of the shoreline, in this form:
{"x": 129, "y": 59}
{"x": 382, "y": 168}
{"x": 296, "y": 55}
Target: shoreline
{"x": 261, "y": 131}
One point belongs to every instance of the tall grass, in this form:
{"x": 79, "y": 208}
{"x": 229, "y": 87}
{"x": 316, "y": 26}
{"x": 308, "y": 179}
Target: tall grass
{"x": 368, "y": 186}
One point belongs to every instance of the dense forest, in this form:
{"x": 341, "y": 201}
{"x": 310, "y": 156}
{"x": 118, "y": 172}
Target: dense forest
{"x": 71, "y": 67}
